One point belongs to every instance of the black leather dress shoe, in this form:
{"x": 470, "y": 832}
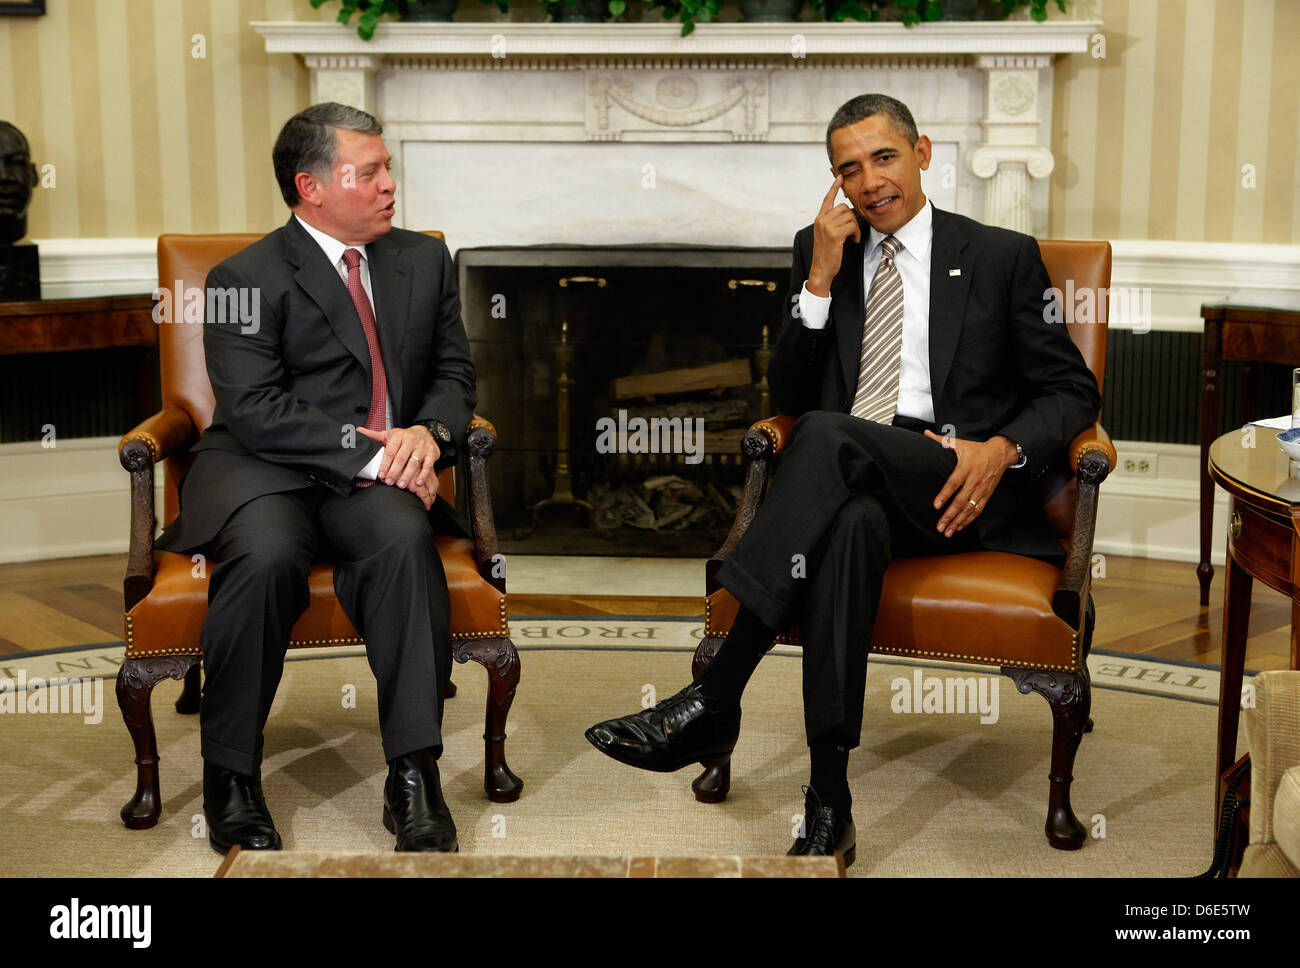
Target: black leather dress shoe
{"x": 683, "y": 729}
{"x": 826, "y": 830}
{"x": 414, "y": 809}
{"x": 236, "y": 811}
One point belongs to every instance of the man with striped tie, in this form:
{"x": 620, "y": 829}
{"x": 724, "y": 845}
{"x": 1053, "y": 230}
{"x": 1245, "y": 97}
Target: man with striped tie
{"x": 932, "y": 392}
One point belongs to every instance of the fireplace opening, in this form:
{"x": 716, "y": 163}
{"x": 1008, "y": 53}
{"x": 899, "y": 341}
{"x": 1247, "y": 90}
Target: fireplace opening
{"x": 621, "y": 381}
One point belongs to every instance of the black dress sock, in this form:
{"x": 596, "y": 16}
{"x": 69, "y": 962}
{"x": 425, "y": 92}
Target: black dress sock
{"x": 830, "y": 772}
{"x": 725, "y": 677}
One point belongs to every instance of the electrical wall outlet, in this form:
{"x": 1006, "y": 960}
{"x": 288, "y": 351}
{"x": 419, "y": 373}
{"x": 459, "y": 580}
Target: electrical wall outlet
{"x": 1134, "y": 464}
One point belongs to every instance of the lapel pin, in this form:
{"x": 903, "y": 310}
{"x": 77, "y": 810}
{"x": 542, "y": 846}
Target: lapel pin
{"x": 954, "y": 272}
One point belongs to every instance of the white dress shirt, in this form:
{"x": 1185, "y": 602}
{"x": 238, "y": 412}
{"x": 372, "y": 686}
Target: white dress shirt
{"x": 913, "y": 261}
{"x": 334, "y": 250}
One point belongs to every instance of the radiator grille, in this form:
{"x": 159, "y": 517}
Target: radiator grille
{"x": 90, "y": 393}
{"x": 1153, "y": 388}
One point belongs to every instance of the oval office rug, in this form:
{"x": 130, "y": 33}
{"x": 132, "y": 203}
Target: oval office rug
{"x": 950, "y": 779}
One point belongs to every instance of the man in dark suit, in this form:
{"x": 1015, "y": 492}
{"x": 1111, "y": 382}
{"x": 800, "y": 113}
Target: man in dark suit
{"x": 343, "y": 383}
{"x": 932, "y": 392}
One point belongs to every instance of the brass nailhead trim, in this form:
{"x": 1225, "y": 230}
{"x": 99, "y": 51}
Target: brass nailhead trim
{"x": 502, "y": 632}
{"x": 772, "y": 434}
{"x": 147, "y": 440}
{"x": 710, "y": 632}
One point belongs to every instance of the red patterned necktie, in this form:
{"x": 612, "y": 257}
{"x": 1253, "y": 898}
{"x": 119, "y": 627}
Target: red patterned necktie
{"x": 376, "y": 418}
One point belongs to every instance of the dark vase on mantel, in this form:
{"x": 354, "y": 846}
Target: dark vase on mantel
{"x": 579, "y": 12}
{"x": 770, "y": 11}
{"x": 429, "y": 11}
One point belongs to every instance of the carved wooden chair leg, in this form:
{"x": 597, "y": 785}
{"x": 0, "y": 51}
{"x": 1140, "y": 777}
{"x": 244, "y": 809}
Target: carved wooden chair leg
{"x": 499, "y": 658}
{"x": 1089, "y": 621}
{"x": 1070, "y": 696}
{"x": 188, "y": 702}
{"x": 713, "y": 785}
{"x": 135, "y": 682}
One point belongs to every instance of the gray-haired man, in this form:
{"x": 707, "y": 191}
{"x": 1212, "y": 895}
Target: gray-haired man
{"x": 333, "y": 414}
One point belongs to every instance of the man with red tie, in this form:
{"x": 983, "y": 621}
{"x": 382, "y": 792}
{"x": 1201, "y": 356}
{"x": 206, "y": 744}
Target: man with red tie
{"x": 338, "y": 398}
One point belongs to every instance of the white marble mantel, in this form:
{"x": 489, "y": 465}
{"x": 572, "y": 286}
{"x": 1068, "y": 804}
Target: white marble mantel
{"x": 514, "y": 133}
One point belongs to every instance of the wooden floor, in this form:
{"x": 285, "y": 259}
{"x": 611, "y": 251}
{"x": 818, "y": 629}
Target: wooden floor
{"x": 1144, "y": 606}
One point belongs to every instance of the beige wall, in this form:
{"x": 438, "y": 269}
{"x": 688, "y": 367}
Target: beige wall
{"x": 1150, "y": 141}
{"x": 145, "y": 138}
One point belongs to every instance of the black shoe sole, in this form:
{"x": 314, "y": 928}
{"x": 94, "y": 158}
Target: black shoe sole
{"x": 223, "y": 848}
{"x": 617, "y": 753}
{"x": 392, "y": 829}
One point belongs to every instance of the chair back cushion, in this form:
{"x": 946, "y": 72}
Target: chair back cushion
{"x": 1080, "y": 272}
{"x": 184, "y": 262}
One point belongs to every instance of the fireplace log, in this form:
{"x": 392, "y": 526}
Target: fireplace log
{"x": 713, "y": 376}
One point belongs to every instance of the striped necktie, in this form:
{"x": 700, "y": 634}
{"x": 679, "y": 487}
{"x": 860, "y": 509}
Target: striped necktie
{"x": 882, "y": 341}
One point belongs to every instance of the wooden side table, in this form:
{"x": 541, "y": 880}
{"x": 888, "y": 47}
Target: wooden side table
{"x": 1255, "y": 327}
{"x": 1264, "y": 544}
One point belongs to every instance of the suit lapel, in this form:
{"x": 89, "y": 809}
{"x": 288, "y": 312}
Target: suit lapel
{"x": 948, "y": 251}
{"x": 390, "y": 283}
{"x": 322, "y": 283}
{"x": 848, "y": 315}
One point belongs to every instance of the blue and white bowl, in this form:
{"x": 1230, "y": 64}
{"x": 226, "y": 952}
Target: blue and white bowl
{"x": 1289, "y": 441}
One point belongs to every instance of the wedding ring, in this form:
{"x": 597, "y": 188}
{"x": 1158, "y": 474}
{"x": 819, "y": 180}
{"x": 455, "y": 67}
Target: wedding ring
{"x": 975, "y": 505}
{"x": 415, "y": 460}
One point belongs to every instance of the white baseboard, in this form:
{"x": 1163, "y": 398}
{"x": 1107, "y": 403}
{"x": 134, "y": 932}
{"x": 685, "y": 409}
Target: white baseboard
{"x": 65, "y": 501}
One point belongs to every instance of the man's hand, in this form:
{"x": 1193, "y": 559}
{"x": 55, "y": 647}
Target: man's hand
{"x": 834, "y": 224}
{"x": 979, "y": 468}
{"x": 427, "y": 493}
{"x": 409, "y": 456}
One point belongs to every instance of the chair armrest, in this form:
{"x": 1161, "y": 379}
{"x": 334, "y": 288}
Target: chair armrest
{"x": 1094, "y": 439}
{"x": 765, "y": 440}
{"x": 154, "y": 439}
{"x": 161, "y": 435}
{"x": 1092, "y": 456}
{"x": 480, "y": 444}
{"x": 778, "y": 429}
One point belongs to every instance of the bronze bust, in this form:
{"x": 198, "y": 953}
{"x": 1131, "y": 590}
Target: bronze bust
{"x": 17, "y": 179}
{"x": 20, "y": 274}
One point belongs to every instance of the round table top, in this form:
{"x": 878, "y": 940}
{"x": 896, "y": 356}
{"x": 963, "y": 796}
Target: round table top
{"x": 1253, "y": 466}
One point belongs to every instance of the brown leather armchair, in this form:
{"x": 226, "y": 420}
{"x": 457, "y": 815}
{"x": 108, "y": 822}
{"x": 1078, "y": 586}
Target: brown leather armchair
{"x": 1030, "y": 618}
{"x": 166, "y": 598}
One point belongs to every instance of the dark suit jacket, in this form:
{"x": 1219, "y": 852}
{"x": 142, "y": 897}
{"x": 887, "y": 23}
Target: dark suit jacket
{"x": 289, "y": 384}
{"x": 996, "y": 365}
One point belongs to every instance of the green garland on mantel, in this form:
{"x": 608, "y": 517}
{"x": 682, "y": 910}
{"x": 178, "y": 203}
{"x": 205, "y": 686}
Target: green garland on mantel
{"x": 691, "y": 12}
